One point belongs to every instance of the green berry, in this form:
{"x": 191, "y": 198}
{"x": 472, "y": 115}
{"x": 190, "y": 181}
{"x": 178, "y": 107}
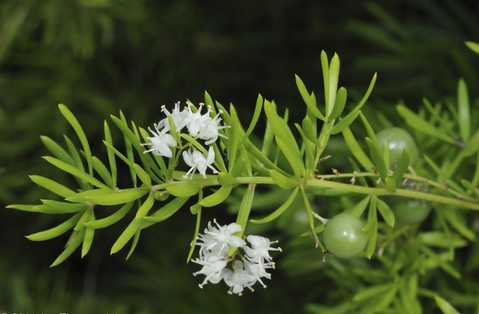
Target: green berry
{"x": 398, "y": 140}
{"x": 411, "y": 211}
{"x": 343, "y": 235}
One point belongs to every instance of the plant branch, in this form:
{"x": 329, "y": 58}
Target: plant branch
{"x": 345, "y": 187}
{"x": 412, "y": 177}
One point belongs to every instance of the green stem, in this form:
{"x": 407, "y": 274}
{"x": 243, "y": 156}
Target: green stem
{"x": 309, "y": 211}
{"x": 345, "y": 187}
{"x": 398, "y": 192}
{"x": 322, "y": 141}
{"x": 438, "y": 185}
{"x": 256, "y": 180}
{"x": 475, "y": 179}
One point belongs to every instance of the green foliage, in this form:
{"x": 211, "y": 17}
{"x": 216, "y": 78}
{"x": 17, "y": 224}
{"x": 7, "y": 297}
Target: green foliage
{"x": 408, "y": 49}
{"x": 292, "y": 165}
{"x": 82, "y": 47}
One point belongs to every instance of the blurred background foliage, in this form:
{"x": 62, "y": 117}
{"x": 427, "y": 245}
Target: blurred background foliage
{"x": 100, "y": 56}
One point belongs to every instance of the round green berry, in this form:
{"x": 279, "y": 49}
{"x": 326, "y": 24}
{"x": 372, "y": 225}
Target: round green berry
{"x": 343, "y": 235}
{"x": 398, "y": 140}
{"x": 411, "y": 211}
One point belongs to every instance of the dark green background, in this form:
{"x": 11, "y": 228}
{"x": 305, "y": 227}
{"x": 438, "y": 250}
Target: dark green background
{"x": 99, "y": 56}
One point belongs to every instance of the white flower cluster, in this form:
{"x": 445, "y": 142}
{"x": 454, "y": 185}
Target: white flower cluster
{"x": 198, "y": 125}
{"x": 248, "y": 266}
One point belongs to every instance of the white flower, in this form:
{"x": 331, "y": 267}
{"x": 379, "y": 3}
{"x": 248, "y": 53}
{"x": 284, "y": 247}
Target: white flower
{"x": 217, "y": 240}
{"x": 197, "y": 161}
{"x": 195, "y": 120}
{"x": 212, "y": 269}
{"x": 248, "y": 266}
{"x": 215, "y": 243}
{"x": 204, "y": 127}
{"x": 238, "y": 278}
{"x": 161, "y": 142}
{"x": 258, "y": 270}
{"x": 260, "y": 248}
{"x": 210, "y": 128}
{"x": 180, "y": 117}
